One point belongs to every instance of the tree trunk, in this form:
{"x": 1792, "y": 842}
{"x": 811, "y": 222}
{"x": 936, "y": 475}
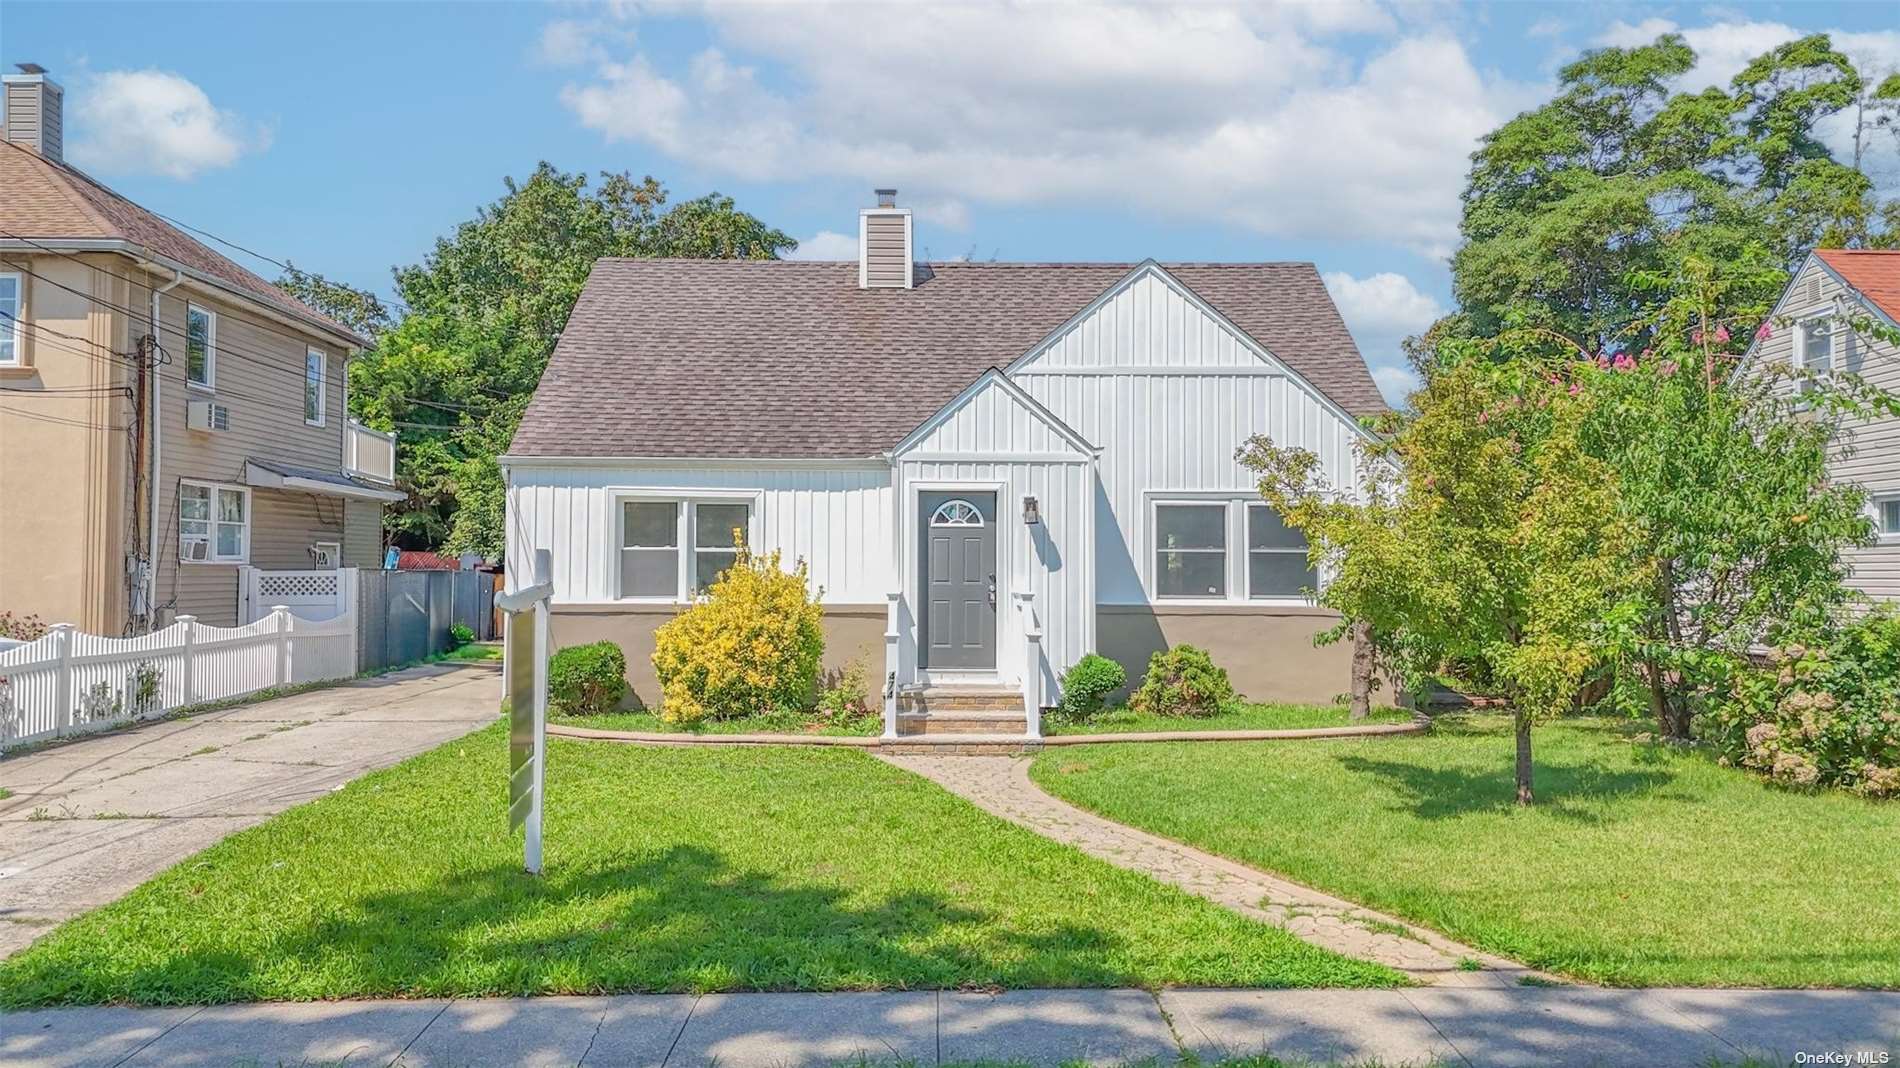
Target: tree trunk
{"x": 1672, "y": 709}
{"x": 1524, "y": 796}
{"x": 1361, "y": 670}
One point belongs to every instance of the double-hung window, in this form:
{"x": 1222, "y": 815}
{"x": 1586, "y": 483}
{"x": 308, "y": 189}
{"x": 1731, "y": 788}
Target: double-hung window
{"x": 1814, "y": 344}
{"x": 313, "y": 380}
{"x": 1227, "y": 550}
{"x": 1276, "y": 557}
{"x": 673, "y": 550}
{"x": 201, "y": 346}
{"x": 12, "y": 332}
{"x": 1191, "y": 550}
{"x": 1887, "y": 518}
{"x": 214, "y": 523}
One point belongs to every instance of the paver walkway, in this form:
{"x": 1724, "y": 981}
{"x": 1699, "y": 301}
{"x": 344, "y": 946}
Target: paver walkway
{"x": 1570, "y": 1027}
{"x": 1001, "y": 785}
{"x": 91, "y": 819}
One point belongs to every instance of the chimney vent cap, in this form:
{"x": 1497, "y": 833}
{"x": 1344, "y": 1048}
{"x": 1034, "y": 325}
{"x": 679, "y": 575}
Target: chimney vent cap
{"x": 886, "y": 198}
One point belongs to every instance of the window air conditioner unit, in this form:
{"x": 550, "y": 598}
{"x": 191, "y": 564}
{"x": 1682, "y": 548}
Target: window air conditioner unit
{"x": 204, "y": 415}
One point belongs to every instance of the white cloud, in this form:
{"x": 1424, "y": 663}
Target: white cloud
{"x": 155, "y": 122}
{"x": 1246, "y": 115}
{"x": 1395, "y": 382}
{"x": 1382, "y": 310}
{"x": 826, "y": 245}
{"x": 568, "y": 43}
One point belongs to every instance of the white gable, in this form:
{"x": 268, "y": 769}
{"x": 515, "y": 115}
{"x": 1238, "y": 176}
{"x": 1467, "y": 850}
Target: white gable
{"x": 1145, "y": 321}
{"x": 993, "y": 417}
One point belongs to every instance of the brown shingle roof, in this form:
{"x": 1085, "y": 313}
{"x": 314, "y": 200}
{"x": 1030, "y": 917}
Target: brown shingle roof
{"x": 1875, "y": 272}
{"x": 725, "y": 358}
{"x": 46, "y": 201}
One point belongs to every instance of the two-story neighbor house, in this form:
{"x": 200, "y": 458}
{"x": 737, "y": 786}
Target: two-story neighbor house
{"x": 1831, "y": 291}
{"x": 165, "y": 415}
{"x": 991, "y": 469}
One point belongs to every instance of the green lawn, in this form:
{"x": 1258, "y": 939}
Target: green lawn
{"x": 869, "y": 726}
{"x": 1640, "y": 865}
{"x": 667, "y": 869}
{"x": 1246, "y": 718}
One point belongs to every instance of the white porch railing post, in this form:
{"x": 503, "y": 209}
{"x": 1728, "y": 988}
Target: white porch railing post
{"x": 1032, "y": 666}
{"x": 890, "y": 663}
{"x": 280, "y": 615}
{"x": 63, "y": 679}
{"x": 187, "y": 696}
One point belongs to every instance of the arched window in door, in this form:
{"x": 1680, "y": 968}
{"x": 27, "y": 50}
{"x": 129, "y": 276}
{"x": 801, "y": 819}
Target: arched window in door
{"x": 956, "y": 513}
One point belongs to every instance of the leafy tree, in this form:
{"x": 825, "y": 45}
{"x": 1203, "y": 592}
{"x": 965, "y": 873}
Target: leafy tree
{"x": 358, "y": 309}
{"x": 486, "y": 307}
{"x": 1482, "y": 548}
{"x": 1724, "y": 484}
{"x": 1620, "y": 174}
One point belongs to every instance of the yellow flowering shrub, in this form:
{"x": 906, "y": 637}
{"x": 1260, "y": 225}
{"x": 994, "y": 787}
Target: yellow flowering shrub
{"x": 751, "y": 646}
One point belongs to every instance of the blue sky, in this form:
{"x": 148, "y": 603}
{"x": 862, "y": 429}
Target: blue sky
{"x": 347, "y": 137}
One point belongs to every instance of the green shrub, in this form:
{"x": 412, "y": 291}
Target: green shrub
{"x": 750, "y": 647}
{"x": 1825, "y": 713}
{"x": 586, "y": 680}
{"x": 848, "y": 699}
{"x": 1086, "y": 686}
{"x": 461, "y": 633}
{"x": 1183, "y": 681}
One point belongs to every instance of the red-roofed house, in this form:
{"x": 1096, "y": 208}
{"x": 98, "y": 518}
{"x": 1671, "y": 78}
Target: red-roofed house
{"x": 1832, "y": 288}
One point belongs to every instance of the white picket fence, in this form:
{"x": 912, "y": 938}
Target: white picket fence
{"x": 69, "y": 683}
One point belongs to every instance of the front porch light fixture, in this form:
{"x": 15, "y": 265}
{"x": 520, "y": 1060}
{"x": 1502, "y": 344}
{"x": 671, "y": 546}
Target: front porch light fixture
{"x": 1031, "y": 514}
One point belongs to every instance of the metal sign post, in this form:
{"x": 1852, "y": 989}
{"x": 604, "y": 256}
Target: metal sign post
{"x": 525, "y": 669}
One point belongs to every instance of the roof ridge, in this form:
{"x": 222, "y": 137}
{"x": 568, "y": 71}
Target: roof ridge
{"x": 1126, "y": 265}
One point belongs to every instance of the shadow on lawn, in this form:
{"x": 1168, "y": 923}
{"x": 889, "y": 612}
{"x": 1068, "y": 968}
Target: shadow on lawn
{"x": 1563, "y": 790}
{"x": 684, "y": 920}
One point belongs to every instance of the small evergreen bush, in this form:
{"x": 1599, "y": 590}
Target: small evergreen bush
{"x": 586, "y": 680}
{"x": 1824, "y": 713}
{"x": 1086, "y": 686}
{"x": 750, "y": 647}
{"x": 1183, "y": 681}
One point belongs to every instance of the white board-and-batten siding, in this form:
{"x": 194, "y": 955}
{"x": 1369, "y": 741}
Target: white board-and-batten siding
{"x": 1169, "y": 392}
{"x": 1147, "y": 393}
{"x": 1870, "y": 448}
{"x": 835, "y": 518}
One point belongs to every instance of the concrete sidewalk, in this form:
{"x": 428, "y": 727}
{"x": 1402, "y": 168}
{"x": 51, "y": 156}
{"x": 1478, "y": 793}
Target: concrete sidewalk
{"x": 1527, "y": 1026}
{"x": 92, "y": 818}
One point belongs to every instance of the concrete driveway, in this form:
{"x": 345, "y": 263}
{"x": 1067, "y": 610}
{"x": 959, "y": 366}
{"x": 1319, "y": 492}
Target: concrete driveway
{"x": 91, "y": 819}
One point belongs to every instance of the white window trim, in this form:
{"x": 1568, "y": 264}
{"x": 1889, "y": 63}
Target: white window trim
{"x": 1834, "y": 335}
{"x": 19, "y": 319}
{"x": 1155, "y": 504}
{"x": 210, "y": 384}
{"x": 1876, "y": 504}
{"x": 683, "y": 536}
{"x": 1239, "y": 575}
{"x": 323, "y": 382}
{"x": 211, "y": 552}
{"x": 335, "y": 549}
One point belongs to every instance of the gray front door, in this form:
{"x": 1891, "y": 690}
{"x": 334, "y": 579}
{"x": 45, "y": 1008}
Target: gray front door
{"x": 959, "y": 558}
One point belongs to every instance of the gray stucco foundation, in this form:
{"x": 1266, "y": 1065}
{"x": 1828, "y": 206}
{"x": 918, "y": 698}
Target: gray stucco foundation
{"x": 852, "y": 632}
{"x": 1268, "y": 650}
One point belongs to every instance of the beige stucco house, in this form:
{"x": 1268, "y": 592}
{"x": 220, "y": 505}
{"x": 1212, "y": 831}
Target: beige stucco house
{"x": 133, "y": 356}
{"x": 1812, "y": 329}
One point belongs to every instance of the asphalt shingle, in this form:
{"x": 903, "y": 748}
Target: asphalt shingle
{"x": 745, "y": 359}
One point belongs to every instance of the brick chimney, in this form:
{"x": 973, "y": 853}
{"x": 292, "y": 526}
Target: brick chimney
{"x": 33, "y": 117}
{"x": 884, "y": 244}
